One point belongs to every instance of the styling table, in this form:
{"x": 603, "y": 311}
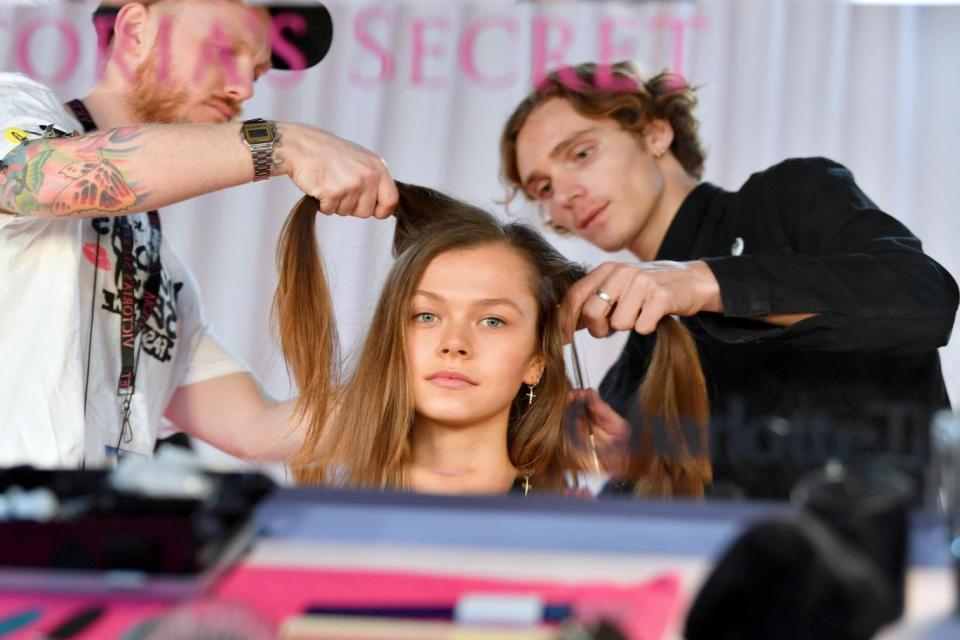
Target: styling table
{"x": 646, "y": 559}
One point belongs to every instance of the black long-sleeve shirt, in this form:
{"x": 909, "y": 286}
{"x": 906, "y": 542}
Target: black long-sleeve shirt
{"x": 861, "y": 376}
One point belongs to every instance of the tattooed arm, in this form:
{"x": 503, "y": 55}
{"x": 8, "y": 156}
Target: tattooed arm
{"x": 119, "y": 171}
{"x": 138, "y": 168}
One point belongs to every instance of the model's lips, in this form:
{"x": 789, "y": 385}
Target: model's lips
{"x": 591, "y": 217}
{"x": 450, "y": 379}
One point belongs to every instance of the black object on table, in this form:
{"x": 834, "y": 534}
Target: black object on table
{"x": 836, "y": 569}
{"x": 102, "y": 538}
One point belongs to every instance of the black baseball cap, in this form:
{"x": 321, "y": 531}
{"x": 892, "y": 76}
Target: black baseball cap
{"x": 307, "y": 27}
{"x": 315, "y": 39}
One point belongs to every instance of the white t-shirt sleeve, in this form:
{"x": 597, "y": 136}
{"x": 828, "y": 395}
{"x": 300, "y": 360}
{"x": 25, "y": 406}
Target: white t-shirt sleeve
{"x": 209, "y": 360}
{"x": 27, "y": 108}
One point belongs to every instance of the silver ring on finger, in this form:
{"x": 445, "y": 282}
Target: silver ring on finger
{"x": 603, "y": 295}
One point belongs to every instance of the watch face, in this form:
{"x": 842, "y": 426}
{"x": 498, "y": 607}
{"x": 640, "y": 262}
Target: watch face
{"x": 258, "y": 133}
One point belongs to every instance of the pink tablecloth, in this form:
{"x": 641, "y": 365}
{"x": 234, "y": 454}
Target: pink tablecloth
{"x": 646, "y": 611}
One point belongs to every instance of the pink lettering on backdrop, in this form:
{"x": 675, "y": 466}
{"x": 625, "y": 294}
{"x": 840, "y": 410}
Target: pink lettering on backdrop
{"x": 214, "y": 53}
{"x": 366, "y": 40}
{"x": 164, "y": 49}
{"x": 297, "y": 25}
{"x": 103, "y": 24}
{"x": 609, "y": 51}
{"x": 119, "y": 38}
{"x": 423, "y": 50}
{"x": 677, "y": 26}
{"x": 70, "y": 39}
{"x": 162, "y": 52}
{"x": 467, "y": 51}
{"x": 546, "y": 58}
{"x": 553, "y": 39}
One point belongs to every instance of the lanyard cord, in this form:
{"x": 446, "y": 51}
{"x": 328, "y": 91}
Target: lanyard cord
{"x": 130, "y": 325}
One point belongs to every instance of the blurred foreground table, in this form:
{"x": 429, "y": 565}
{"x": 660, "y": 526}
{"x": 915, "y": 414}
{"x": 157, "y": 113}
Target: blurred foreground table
{"x": 316, "y": 545}
{"x": 564, "y": 539}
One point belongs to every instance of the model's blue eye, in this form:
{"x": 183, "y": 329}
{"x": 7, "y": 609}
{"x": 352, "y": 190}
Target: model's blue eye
{"x": 492, "y": 323}
{"x": 426, "y": 317}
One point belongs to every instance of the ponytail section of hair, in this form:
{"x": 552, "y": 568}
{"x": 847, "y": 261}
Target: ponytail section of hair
{"x": 303, "y": 309}
{"x": 672, "y": 442}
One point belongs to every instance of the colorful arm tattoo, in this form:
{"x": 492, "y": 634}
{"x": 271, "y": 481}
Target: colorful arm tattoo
{"x": 70, "y": 177}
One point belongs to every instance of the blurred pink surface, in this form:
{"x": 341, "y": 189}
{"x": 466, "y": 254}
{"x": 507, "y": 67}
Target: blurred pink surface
{"x": 645, "y": 611}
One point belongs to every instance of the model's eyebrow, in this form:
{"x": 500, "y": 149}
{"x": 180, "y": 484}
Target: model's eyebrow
{"x": 492, "y": 302}
{"x": 558, "y": 150}
{"x": 482, "y": 302}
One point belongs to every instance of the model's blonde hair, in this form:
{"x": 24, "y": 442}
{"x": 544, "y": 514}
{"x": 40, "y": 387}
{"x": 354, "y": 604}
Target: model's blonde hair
{"x": 358, "y": 432}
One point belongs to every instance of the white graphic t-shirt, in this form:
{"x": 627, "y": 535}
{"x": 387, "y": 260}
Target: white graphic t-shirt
{"x": 60, "y": 319}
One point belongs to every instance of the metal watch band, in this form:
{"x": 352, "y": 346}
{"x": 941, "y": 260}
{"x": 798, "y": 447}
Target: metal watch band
{"x": 262, "y": 161}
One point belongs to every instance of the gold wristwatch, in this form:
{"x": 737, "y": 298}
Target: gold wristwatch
{"x": 259, "y": 135}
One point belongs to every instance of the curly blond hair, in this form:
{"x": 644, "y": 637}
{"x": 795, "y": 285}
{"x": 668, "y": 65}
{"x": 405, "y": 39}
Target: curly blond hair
{"x": 614, "y": 91}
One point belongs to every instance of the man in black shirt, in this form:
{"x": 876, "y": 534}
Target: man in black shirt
{"x": 817, "y": 316}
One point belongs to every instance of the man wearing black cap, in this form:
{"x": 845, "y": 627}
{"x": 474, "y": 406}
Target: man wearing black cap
{"x": 103, "y": 330}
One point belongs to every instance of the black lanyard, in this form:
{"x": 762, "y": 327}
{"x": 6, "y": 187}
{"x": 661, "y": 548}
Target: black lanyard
{"x": 131, "y": 325}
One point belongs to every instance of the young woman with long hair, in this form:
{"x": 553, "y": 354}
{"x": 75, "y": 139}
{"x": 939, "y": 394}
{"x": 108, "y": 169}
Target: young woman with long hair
{"x": 461, "y": 384}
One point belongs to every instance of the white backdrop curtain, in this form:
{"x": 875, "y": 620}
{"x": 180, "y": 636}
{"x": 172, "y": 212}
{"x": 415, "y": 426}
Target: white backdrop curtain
{"x": 428, "y": 86}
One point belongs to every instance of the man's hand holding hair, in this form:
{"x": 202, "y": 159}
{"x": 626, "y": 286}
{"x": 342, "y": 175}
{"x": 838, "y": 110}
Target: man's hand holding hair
{"x": 619, "y": 297}
{"x": 610, "y": 433}
{"x": 344, "y": 177}
{"x": 40, "y": 175}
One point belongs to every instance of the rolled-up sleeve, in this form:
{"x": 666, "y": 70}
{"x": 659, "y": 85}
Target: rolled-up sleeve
{"x": 861, "y": 271}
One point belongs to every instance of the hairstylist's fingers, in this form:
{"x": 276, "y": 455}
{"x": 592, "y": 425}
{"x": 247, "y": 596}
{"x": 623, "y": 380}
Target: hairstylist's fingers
{"x": 366, "y": 203}
{"x": 578, "y": 293}
{"x": 610, "y": 433}
{"x": 595, "y": 316}
{"x": 653, "y": 311}
{"x": 348, "y": 204}
{"x": 604, "y": 299}
{"x": 594, "y": 404}
{"x": 631, "y": 301}
{"x": 572, "y": 302}
{"x": 574, "y": 395}
{"x": 607, "y": 418}
{"x": 329, "y": 204}
{"x": 594, "y": 401}
{"x": 585, "y": 416}
{"x": 387, "y": 196}
{"x": 584, "y": 397}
